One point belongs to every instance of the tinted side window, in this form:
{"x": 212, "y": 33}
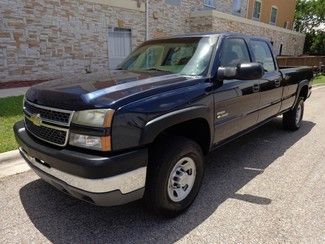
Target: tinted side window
{"x": 263, "y": 55}
{"x": 234, "y": 52}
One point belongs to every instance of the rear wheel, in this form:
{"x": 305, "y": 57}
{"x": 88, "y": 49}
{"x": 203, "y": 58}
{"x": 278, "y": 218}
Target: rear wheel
{"x": 175, "y": 174}
{"x": 293, "y": 118}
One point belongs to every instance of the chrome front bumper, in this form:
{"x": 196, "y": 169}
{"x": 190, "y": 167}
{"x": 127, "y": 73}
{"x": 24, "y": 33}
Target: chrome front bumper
{"x": 110, "y": 191}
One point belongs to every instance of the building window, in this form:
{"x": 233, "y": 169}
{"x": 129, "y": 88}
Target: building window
{"x": 119, "y": 45}
{"x": 257, "y": 10}
{"x": 274, "y": 15}
{"x": 209, "y": 3}
{"x": 236, "y": 6}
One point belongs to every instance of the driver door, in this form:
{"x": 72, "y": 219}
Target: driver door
{"x": 236, "y": 101}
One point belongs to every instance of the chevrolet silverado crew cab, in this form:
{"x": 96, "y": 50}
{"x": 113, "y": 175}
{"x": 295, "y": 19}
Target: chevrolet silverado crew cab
{"x": 142, "y": 130}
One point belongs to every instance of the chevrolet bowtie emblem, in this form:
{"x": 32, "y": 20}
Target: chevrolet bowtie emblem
{"x": 36, "y": 119}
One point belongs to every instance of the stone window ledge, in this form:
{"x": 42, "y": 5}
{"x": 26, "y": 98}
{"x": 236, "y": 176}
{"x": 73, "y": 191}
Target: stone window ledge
{"x": 126, "y": 4}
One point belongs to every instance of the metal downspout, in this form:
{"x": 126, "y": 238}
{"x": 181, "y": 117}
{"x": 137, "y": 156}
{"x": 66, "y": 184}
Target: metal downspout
{"x": 147, "y": 20}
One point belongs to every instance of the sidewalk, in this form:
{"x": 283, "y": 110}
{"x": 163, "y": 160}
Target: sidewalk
{"x": 13, "y": 92}
{"x": 17, "y": 88}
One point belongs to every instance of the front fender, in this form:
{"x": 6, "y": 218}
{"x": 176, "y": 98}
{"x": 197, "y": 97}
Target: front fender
{"x": 136, "y": 124}
{"x": 154, "y": 127}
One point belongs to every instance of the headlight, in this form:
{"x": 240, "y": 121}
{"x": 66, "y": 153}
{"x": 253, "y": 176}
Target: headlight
{"x": 95, "y": 117}
{"x": 98, "y": 118}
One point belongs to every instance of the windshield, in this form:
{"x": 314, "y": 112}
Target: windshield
{"x": 187, "y": 56}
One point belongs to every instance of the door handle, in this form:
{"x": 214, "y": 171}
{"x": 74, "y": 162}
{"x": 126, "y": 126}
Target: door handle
{"x": 277, "y": 83}
{"x": 256, "y": 87}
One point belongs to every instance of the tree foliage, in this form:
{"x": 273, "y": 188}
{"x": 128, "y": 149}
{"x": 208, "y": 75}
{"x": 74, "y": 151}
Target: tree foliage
{"x": 315, "y": 43}
{"x": 309, "y": 19}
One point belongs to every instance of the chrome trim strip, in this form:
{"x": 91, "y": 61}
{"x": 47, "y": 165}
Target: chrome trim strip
{"x": 126, "y": 182}
{"x": 70, "y": 112}
{"x": 51, "y": 127}
{"x": 173, "y": 113}
{"x": 49, "y": 108}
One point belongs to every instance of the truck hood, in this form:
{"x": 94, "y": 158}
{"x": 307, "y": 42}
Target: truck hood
{"x": 106, "y": 89}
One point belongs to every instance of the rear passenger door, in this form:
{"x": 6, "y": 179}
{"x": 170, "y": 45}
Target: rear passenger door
{"x": 236, "y": 101}
{"x": 271, "y": 86}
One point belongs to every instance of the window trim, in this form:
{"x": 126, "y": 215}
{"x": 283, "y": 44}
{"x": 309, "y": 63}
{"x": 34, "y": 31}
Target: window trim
{"x": 276, "y": 16}
{"x": 259, "y": 18}
{"x": 210, "y": 6}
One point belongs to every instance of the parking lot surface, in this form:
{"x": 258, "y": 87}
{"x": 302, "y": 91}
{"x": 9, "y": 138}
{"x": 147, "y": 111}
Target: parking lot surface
{"x": 267, "y": 186}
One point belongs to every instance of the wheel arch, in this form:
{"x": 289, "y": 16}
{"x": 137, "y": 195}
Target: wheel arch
{"x": 192, "y": 122}
{"x": 302, "y": 90}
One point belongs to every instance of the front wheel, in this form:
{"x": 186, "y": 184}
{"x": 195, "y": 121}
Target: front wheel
{"x": 293, "y": 118}
{"x": 175, "y": 174}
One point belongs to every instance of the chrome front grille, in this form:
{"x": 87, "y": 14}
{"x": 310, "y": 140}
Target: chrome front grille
{"x": 48, "y": 124}
{"x": 51, "y": 135}
{"x": 51, "y": 115}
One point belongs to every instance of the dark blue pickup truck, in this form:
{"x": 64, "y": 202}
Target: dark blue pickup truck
{"x": 142, "y": 130}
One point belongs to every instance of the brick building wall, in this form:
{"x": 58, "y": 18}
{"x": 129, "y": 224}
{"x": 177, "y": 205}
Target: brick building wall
{"x": 40, "y": 39}
{"x": 226, "y": 6}
{"x": 170, "y": 17}
{"x": 213, "y": 21}
{"x": 43, "y": 39}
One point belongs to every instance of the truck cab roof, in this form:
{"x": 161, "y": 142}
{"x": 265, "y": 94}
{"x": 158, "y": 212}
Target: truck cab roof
{"x": 207, "y": 34}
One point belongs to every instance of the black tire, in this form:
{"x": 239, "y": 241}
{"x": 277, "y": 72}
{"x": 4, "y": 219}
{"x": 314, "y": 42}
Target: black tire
{"x": 289, "y": 118}
{"x": 162, "y": 159}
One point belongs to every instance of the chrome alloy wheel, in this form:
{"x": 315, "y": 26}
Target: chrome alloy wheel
{"x": 181, "y": 179}
{"x": 298, "y": 114}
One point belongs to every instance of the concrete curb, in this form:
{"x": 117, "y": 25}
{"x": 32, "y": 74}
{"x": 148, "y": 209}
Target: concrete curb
{"x": 9, "y": 156}
{"x": 12, "y": 163}
{"x": 321, "y": 84}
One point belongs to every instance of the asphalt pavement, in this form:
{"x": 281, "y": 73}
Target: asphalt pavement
{"x": 266, "y": 187}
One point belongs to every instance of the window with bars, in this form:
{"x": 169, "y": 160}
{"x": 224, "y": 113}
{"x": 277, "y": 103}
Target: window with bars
{"x": 236, "y": 6}
{"x": 119, "y": 46}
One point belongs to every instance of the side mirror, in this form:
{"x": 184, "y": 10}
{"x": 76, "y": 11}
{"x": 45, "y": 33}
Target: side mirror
{"x": 246, "y": 71}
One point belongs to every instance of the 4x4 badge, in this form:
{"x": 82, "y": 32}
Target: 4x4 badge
{"x": 36, "y": 119}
